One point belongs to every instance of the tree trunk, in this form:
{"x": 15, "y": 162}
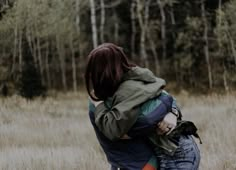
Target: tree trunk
{"x": 102, "y": 21}
{"x": 219, "y": 26}
{"x": 173, "y": 22}
{"x": 133, "y": 24}
{"x": 15, "y": 49}
{"x": 220, "y": 46}
{"x": 146, "y": 20}
{"x": 220, "y": 9}
{"x": 32, "y": 38}
{"x": 49, "y": 85}
{"x": 61, "y": 54}
{"x": 20, "y": 50}
{"x": 7, "y": 2}
{"x": 29, "y": 40}
{"x": 77, "y": 18}
{"x": 232, "y": 45}
{"x": 206, "y": 45}
{"x": 163, "y": 28}
{"x": 143, "y": 21}
{"x": 232, "y": 48}
{"x": 154, "y": 52}
{"x": 93, "y": 23}
{"x": 40, "y": 61}
{"x": 172, "y": 15}
{"x": 116, "y": 27}
{"x": 225, "y": 79}
{"x": 73, "y": 63}
{"x": 28, "y": 37}
{"x": 78, "y": 27}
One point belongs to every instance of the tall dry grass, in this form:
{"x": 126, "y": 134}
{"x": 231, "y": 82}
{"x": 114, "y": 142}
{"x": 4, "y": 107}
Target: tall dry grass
{"x": 55, "y": 133}
{"x": 215, "y": 116}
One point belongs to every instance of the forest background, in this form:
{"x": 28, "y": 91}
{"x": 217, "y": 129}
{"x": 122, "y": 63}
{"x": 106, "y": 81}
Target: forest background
{"x": 191, "y": 44}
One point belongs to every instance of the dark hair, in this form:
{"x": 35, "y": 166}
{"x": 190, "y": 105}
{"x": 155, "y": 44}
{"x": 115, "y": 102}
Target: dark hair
{"x": 106, "y": 65}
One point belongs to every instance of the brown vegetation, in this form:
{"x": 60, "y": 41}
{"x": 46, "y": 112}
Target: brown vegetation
{"x": 55, "y": 133}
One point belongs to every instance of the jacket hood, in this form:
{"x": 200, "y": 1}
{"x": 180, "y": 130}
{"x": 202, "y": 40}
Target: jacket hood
{"x": 142, "y": 74}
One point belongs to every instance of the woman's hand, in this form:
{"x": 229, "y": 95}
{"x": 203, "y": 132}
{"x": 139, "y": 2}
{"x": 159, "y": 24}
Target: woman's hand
{"x": 167, "y": 124}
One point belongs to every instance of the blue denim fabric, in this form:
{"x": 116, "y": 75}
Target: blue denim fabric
{"x": 186, "y": 157}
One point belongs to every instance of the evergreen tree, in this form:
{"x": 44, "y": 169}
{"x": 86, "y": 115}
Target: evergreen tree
{"x": 30, "y": 82}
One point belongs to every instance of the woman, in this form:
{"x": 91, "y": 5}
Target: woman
{"x": 124, "y": 94}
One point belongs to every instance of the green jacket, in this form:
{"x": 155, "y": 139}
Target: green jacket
{"x": 138, "y": 85}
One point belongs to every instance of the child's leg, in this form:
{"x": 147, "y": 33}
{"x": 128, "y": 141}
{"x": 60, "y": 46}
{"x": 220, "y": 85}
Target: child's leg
{"x": 186, "y": 157}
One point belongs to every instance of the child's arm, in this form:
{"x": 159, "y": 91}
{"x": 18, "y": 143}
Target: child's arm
{"x": 148, "y": 122}
{"x": 113, "y": 123}
{"x": 124, "y": 111}
{"x": 152, "y": 113}
{"x": 144, "y": 125}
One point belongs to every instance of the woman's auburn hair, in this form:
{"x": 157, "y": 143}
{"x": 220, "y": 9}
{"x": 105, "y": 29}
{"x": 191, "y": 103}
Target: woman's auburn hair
{"x": 105, "y": 67}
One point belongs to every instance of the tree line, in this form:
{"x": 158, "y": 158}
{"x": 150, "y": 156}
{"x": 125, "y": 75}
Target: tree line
{"x": 190, "y": 43}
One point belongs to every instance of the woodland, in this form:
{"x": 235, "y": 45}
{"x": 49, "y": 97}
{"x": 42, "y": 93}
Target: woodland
{"x": 44, "y": 43}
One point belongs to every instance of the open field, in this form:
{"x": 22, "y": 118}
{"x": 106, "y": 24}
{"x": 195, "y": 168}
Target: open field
{"x": 55, "y": 133}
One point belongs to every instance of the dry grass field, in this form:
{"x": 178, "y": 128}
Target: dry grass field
{"x": 55, "y": 133}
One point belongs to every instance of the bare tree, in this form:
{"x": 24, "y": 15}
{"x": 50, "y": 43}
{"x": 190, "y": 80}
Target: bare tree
{"x": 206, "y": 44}
{"x": 154, "y": 52}
{"x": 133, "y": 24}
{"x": 32, "y": 41}
{"x": 40, "y": 60}
{"x": 172, "y": 16}
{"x": 77, "y": 18}
{"x": 116, "y": 27}
{"x": 163, "y": 27}
{"x": 20, "y": 50}
{"x": 34, "y": 47}
{"x": 232, "y": 45}
{"x": 93, "y": 23}
{"x": 49, "y": 85}
{"x": 102, "y": 23}
{"x": 61, "y": 53}
{"x": 143, "y": 21}
{"x": 15, "y": 48}
{"x": 29, "y": 40}
{"x": 73, "y": 63}
{"x": 219, "y": 41}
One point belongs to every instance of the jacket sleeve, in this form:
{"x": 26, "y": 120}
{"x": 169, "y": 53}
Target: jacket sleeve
{"x": 146, "y": 124}
{"x": 113, "y": 123}
{"x": 124, "y": 110}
